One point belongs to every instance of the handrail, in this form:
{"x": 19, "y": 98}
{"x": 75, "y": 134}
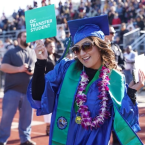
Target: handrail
{"x": 135, "y": 33}
{"x": 138, "y": 41}
{"x": 128, "y": 33}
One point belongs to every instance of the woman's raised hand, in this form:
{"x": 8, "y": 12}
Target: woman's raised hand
{"x": 141, "y": 82}
{"x": 40, "y": 50}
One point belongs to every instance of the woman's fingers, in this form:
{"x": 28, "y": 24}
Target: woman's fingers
{"x": 140, "y": 84}
{"x": 40, "y": 50}
{"x": 141, "y": 78}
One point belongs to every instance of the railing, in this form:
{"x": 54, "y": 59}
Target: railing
{"x": 139, "y": 44}
{"x": 9, "y": 34}
{"x": 130, "y": 37}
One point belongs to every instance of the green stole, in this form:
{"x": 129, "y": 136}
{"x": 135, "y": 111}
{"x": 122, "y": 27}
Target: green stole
{"x": 65, "y": 104}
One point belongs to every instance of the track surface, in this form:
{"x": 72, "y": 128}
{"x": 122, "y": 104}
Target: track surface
{"x": 38, "y": 128}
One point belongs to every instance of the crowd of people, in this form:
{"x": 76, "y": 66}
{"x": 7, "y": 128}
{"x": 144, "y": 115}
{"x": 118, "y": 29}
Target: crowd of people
{"x": 130, "y": 13}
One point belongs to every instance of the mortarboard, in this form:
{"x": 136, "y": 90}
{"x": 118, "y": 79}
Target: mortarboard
{"x": 95, "y": 26}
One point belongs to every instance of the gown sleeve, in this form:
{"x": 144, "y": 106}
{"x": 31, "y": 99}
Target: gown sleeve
{"x": 129, "y": 111}
{"x": 53, "y": 80}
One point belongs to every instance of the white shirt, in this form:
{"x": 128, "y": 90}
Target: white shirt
{"x": 129, "y": 60}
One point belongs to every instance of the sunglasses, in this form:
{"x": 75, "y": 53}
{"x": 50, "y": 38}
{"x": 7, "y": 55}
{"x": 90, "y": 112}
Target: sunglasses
{"x": 86, "y": 47}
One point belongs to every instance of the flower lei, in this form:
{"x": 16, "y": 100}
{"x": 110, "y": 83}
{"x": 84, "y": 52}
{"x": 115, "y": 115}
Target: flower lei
{"x": 86, "y": 120}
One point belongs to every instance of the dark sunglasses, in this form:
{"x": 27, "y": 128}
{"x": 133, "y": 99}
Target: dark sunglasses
{"x": 86, "y": 47}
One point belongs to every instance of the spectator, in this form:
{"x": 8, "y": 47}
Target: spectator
{"x": 70, "y": 5}
{"x": 61, "y": 34}
{"x": 130, "y": 25}
{"x": 92, "y": 13}
{"x": 119, "y": 10}
{"x": 106, "y": 7}
{"x": 123, "y": 31}
{"x": 119, "y": 2}
{"x": 76, "y": 14}
{"x": 136, "y": 4}
{"x": 111, "y": 14}
{"x": 116, "y": 20}
{"x": 3, "y": 18}
{"x": 140, "y": 23}
{"x": 60, "y": 8}
{"x": 18, "y": 64}
{"x": 129, "y": 65}
{"x": 131, "y": 12}
{"x": 35, "y": 4}
{"x": 87, "y": 8}
{"x": 125, "y": 14}
{"x": 81, "y": 8}
{"x": 66, "y": 11}
{"x": 14, "y": 14}
{"x": 43, "y": 3}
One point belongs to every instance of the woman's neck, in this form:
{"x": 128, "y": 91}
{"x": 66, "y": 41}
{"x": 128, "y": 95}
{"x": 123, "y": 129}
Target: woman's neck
{"x": 90, "y": 72}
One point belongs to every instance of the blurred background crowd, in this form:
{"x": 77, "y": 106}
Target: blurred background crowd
{"x": 130, "y": 14}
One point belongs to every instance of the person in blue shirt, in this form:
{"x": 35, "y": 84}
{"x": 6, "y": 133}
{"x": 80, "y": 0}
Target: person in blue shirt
{"x": 87, "y": 96}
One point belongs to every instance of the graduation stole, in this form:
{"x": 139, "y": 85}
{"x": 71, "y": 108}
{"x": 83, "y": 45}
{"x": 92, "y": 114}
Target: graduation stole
{"x": 66, "y": 103}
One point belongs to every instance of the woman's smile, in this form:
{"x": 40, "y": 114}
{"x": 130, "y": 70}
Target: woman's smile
{"x": 90, "y": 58}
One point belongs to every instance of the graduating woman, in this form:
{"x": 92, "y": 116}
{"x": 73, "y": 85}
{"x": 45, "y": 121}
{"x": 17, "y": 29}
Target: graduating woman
{"x": 87, "y": 96}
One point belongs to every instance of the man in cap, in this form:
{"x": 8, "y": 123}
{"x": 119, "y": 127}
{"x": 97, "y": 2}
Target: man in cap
{"x": 116, "y": 49}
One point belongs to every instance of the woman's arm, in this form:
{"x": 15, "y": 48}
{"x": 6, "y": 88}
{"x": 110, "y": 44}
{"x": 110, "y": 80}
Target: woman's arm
{"x": 129, "y": 109}
{"x": 38, "y": 81}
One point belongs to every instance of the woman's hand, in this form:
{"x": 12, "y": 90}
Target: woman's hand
{"x": 40, "y": 50}
{"x": 140, "y": 84}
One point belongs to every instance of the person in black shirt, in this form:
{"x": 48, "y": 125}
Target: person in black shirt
{"x": 140, "y": 23}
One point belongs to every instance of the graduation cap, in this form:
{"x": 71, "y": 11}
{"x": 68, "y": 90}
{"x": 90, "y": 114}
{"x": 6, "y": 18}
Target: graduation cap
{"x": 95, "y": 26}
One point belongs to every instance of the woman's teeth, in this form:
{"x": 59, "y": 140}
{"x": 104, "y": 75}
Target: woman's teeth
{"x": 86, "y": 58}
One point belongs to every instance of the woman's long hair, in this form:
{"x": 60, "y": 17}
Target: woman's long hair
{"x": 107, "y": 55}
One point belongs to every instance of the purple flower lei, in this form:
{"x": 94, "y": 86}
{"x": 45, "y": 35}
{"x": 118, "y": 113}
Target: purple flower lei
{"x": 86, "y": 120}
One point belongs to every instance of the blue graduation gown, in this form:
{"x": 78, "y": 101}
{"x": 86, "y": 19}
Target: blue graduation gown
{"x": 76, "y": 134}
